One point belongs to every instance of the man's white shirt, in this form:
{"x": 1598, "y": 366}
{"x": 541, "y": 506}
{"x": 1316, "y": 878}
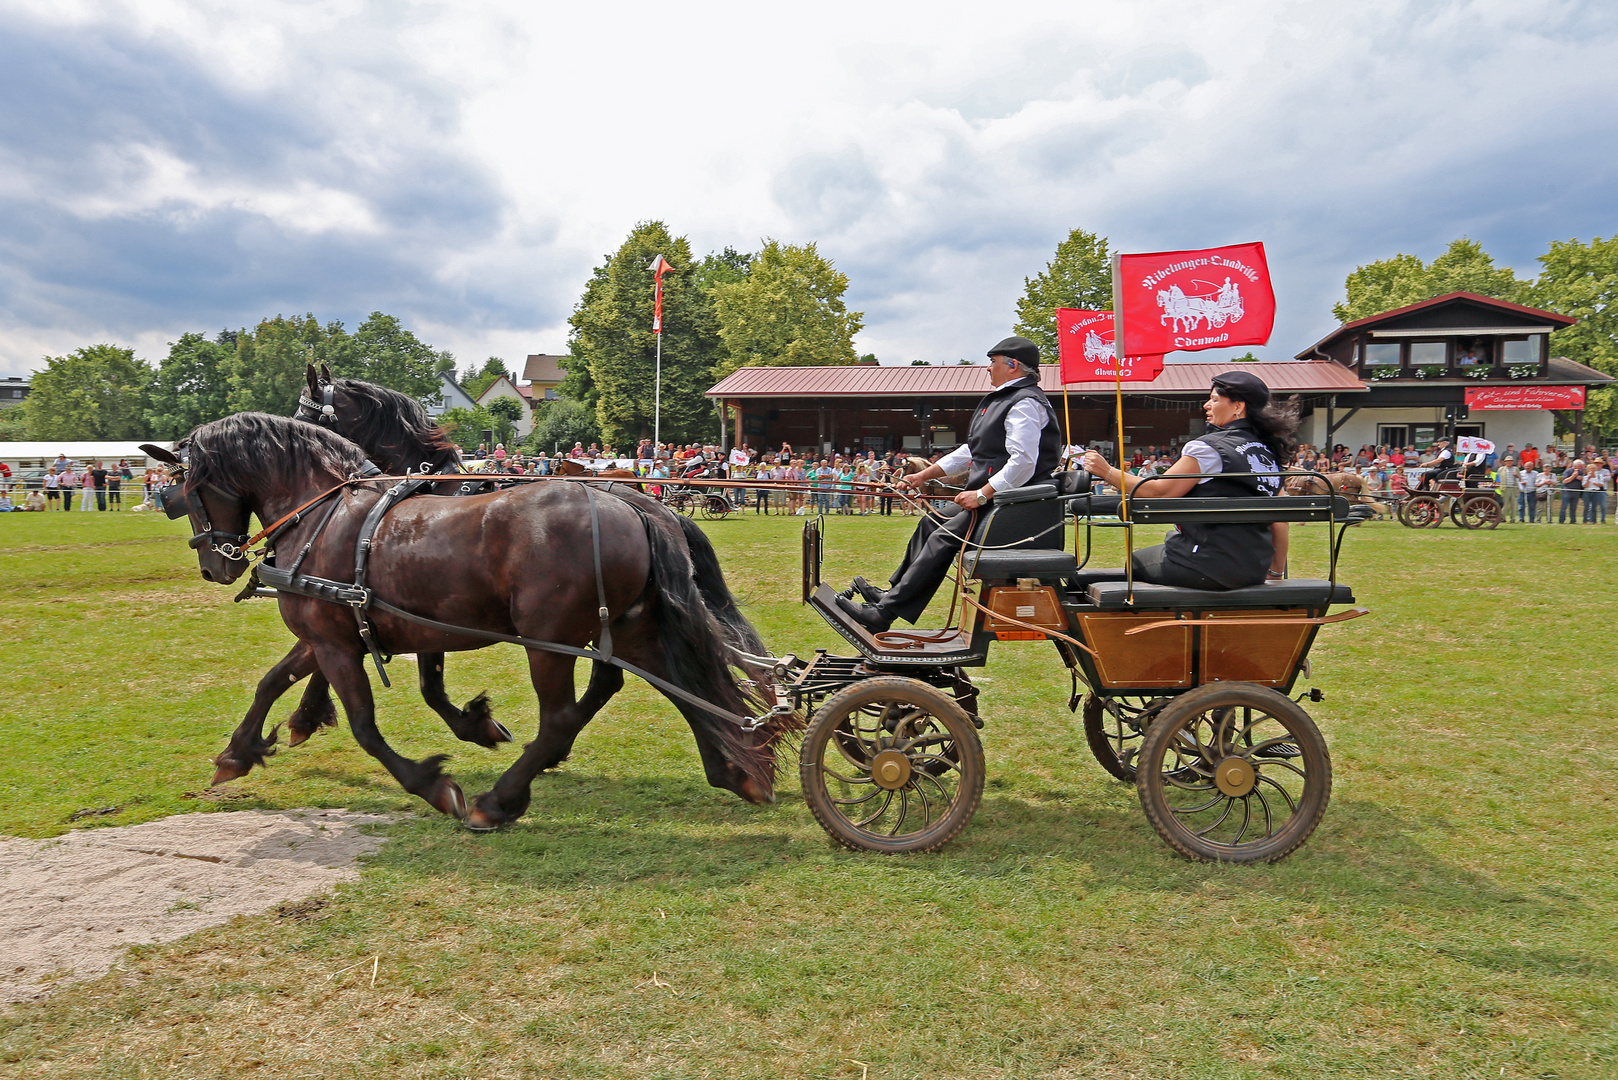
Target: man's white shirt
{"x": 1024, "y": 422}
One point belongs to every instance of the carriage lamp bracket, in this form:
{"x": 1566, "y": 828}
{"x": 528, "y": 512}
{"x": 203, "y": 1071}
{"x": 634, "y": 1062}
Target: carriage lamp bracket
{"x": 1314, "y": 693}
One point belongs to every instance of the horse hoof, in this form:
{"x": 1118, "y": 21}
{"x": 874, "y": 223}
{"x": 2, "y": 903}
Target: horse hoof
{"x": 297, "y": 738}
{"x": 447, "y": 799}
{"x": 477, "y": 821}
{"x": 497, "y": 733}
{"x": 228, "y": 771}
{"x": 754, "y": 792}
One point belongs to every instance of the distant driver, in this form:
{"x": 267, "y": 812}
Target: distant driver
{"x": 1014, "y": 439}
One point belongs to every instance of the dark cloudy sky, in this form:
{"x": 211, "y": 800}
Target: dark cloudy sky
{"x": 173, "y": 166}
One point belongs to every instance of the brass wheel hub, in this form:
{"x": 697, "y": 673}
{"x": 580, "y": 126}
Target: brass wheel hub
{"x": 891, "y": 770}
{"x": 1235, "y": 776}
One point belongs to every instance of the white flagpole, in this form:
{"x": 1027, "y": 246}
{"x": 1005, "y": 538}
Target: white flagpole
{"x": 657, "y": 400}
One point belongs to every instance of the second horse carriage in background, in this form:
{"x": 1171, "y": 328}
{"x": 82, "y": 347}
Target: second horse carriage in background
{"x": 1185, "y": 693}
{"x": 1465, "y": 497}
{"x": 688, "y": 499}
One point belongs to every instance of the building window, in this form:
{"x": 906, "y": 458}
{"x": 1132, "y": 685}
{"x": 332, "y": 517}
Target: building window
{"x": 1423, "y": 353}
{"x": 1521, "y": 350}
{"x": 1382, "y": 355}
{"x": 1391, "y": 435}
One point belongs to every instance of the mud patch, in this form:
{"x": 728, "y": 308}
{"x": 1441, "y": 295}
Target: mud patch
{"x": 71, "y": 905}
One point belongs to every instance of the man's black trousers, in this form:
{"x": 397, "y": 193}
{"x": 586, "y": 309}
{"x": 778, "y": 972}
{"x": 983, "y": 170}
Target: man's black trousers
{"x": 927, "y": 560}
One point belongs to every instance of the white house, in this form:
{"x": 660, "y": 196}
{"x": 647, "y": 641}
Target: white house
{"x": 505, "y": 387}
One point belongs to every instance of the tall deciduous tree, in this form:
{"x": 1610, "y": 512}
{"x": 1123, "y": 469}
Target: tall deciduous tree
{"x": 191, "y": 385}
{"x": 96, "y": 392}
{"x": 1582, "y": 280}
{"x": 614, "y": 350}
{"x": 788, "y": 311}
{"x": 1405, "y": 279}
{"x": 267, "y": 373}
{"x": 1079, "y": 275}
{"x": 476, "y": 380}
{"x": 382, "y": 351}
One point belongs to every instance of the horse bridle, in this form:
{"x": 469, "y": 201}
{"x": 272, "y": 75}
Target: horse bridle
{"x": 177, "y": 503}
{"x": 316, "y": 412}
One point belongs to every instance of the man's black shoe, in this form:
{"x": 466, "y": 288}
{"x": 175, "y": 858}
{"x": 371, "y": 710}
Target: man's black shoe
{"x": 868, "y": 592}
{"x": 869, "y": 616}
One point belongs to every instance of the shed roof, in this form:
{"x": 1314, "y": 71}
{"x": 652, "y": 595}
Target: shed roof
{"x": 1287, "y": 377}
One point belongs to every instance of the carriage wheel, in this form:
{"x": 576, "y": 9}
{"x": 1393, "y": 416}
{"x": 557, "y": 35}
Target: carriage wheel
{"x": 1114, "y": 734}
{"x": 891, "y": 764}
{"x": 715, "y": 506}
{"x": 1480, "y": 512}
{"x": 1233, "y": 772}
{"x": 1421, "y": 513}
{"x": 1455, "y": 514}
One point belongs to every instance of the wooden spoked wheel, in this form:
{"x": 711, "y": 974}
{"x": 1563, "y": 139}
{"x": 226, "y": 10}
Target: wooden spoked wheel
{"x": 715, "y": 506}
{"x": 1113, "y": 731}
{"x": 891, "y": 765}
{"x": 1421, "y": 512}
{"x": 1233, "y": 772}
{"x": 1479, "y": 512}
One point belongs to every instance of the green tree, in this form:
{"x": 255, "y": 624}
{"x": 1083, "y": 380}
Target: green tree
{"x": 788, "y": 311}
{"x": 613, "y": 349}
{"x": 465, "y": 427}
{"x": 1078, "y": 276}
{"x": 561, "y": 423}
{"x": 267, "y": 373}
{"x": 506, "y": 412}
{"x": 477, "y": 380}
{"x": 191, "y": 384}
{"x": 383, "y": 352}
{"x": 96, "y": 392}
{"x": 1582, "y": 280}
{"x": 1405, "y": 279}
{"x": 14, "y": 423}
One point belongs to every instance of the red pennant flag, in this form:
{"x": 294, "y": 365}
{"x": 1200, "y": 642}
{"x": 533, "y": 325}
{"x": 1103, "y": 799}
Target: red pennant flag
{"x": 1183, "y": 301}
{"x": 659, "y": 266}
{"x": 1084, "y": 342}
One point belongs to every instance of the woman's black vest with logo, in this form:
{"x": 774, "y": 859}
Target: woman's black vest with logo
{"x": 986, "y": 437}
{"x": 1233, "y": 555}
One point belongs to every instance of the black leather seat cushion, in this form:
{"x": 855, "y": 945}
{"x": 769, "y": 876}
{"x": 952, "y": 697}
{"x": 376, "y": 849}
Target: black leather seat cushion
{"x": 1083, "y": 579}
{"x": 1021, "y": 562}
{"x": 1294, "y": 592}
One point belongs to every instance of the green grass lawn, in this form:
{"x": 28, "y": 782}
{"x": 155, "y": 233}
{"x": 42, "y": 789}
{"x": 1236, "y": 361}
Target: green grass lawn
{"x": 1454, "y": 916}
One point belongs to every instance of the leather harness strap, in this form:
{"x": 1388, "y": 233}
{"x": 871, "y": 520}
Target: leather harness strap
{"x": 604, "y": 641}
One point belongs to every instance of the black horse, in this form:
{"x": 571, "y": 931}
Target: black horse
{"x": 397, "y": 435}
{"x": 470, "y": 562}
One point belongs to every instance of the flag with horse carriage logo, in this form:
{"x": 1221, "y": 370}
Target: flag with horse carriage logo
{"x": 1084, "y": 340}
{"x": 1184, "y": 301}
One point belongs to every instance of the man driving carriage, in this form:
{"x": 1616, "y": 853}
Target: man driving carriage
{"x": 1440, "y": 466}
{"x": 1014, "y": 439}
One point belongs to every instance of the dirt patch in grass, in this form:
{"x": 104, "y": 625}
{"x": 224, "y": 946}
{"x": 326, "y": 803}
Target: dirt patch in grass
{"x": 70, "y": 906}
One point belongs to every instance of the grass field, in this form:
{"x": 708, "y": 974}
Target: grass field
{"x": 1456, "y": 915}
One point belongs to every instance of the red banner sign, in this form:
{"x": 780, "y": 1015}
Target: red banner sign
{"x": 1183, "y": 301}
{"x": 1085, "y": 345}
{"x": 1525, "y": 397}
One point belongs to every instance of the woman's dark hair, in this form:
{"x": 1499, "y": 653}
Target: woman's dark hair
{"x": 1277, "y": 426}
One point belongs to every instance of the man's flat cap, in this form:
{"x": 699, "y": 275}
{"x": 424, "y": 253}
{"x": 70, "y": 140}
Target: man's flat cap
{"x": 1019, "y": 349}
{"x": 1242, "y": 386}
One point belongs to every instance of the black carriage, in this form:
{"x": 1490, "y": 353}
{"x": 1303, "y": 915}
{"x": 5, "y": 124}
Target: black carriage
{"x": 1467, "y": 501}
{"x": 1187, "y": 694}
{"x": 690, "y": 499}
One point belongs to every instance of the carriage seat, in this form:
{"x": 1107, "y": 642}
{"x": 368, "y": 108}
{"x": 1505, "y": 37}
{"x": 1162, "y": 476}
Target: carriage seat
{"x": 1021, "y": 536}
{"x": 1293, "y": 592}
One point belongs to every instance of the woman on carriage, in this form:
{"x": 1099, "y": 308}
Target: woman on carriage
{"x": 1248, "y": 434}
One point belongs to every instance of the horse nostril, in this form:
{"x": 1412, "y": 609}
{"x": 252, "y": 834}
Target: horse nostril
{"x": 207, "y": 576}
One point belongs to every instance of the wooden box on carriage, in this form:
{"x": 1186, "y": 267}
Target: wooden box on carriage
{"x": 1238, "y": 646}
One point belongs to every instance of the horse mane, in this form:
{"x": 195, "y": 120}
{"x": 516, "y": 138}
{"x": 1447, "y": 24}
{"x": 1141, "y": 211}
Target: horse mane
{"x": 275, "y": 451}
{"x": 394, "y": 429}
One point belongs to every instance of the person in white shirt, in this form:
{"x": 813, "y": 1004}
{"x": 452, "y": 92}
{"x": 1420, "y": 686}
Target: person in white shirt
{"x": 1014, "y": 439}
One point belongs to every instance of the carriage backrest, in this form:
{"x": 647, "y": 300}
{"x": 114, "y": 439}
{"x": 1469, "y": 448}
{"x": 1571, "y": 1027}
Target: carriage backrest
{"x": 1190, "y": 511}
{"x": 1026, "y": 517}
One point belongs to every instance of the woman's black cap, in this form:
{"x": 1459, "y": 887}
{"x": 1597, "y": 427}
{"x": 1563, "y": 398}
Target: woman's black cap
{"x": 1242, "y": 386}
{"x": 1019, "y": 349}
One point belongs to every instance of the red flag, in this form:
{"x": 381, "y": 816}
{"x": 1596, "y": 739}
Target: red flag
{"x": 1188, "y": 300}
{"x": 1084, "y": 342}
{"x": 659, "y": 266}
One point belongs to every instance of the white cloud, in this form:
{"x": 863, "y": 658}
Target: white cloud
{"x": 937, "y": 152}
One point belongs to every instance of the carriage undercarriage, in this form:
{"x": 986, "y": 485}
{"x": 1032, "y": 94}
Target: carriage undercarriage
{"x": 1186, "y": 694}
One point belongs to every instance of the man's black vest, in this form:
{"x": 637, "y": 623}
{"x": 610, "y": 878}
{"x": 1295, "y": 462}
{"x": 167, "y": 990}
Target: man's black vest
{"x": 1233, "y": 555}
{"x": 986, "y": 437}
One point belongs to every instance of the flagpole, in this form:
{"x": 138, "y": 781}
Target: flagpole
{"x": 657, "y": 400}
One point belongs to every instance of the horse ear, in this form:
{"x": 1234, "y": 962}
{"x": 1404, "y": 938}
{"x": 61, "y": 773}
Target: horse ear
{"x": 314, "y": 379}
{"x": 325, "y": 372}
{"x": 159, "y": 453}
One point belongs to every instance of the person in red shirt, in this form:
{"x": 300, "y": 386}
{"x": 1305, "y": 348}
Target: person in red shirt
{"x": 1529, "y": 456}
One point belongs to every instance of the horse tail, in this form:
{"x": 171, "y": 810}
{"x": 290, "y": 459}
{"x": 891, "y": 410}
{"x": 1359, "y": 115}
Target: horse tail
{"x": 694, "y": 656}
{"x": 716, "y": 595}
